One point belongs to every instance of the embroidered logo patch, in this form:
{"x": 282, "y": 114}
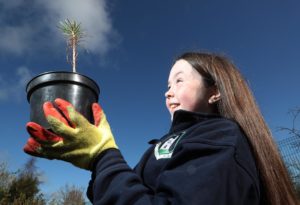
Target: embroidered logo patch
{"x": 164, "y": 150}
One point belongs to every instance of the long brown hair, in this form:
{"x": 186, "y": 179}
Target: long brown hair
{"x": 237, "y": 103}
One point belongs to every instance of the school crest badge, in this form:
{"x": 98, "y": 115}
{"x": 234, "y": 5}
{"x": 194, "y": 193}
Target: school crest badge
{"x": 165, "y": 149}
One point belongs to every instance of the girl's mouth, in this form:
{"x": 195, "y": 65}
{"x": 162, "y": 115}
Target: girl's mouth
{"x": 174, "y": 106}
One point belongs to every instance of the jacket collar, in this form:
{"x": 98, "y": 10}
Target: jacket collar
{"x": 183, "y": 119}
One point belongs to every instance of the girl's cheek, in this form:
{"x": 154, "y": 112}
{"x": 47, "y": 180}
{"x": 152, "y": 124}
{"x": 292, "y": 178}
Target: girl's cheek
{"x": 184, "y": 98}
{"x": 189, "y": 100}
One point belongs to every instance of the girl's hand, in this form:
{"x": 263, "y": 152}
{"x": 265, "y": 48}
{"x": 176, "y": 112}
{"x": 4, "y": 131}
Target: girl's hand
{"x": 72, "y": 137}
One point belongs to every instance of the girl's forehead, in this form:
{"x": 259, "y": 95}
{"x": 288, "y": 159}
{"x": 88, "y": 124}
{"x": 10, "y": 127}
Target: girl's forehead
{"x": 182, "y": 67}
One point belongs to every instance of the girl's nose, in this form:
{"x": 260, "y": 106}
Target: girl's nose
{"x": 169, "y": 93}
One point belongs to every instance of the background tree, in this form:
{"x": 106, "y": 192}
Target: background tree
{"x": 290, "y": 149}
{"x": 5, "y": 181}
{"x": 68, "y": 195}
{"x": 22, "y": 187}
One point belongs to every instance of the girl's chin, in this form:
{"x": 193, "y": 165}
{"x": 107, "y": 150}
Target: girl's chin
{"x": 172, "y": 113}
{"x": 174, "y": 110}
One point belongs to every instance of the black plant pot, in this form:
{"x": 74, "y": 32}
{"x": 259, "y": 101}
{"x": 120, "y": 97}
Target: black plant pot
{"x": 78, "y": 89}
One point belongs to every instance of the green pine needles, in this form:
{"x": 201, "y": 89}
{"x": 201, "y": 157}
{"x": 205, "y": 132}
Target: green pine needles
{"x": 74, "y": 35}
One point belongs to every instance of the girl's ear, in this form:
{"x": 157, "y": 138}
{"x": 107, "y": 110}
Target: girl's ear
{"x": 214, "y": 97}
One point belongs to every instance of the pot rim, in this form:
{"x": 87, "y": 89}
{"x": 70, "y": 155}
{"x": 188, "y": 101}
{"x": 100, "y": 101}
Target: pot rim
{"x": 52, "y": 77}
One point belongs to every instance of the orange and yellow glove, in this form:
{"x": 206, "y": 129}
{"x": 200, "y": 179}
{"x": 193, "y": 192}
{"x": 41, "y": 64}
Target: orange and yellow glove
{"x": 74, "y": 139}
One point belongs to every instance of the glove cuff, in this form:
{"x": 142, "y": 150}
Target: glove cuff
{"x": 94, "y": 162}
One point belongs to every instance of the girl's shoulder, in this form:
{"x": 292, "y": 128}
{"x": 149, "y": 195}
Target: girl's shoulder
{"x": 219, "y": 130}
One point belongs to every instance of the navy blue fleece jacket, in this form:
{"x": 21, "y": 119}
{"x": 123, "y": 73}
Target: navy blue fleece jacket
{"x": 204, "y": 159}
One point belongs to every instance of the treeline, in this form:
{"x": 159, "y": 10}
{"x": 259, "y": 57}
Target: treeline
{"x": 289, "y": 147}
{"x": 22, "y": 188}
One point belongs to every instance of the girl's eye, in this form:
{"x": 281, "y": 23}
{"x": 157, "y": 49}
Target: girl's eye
{"x": 179, "y": 80}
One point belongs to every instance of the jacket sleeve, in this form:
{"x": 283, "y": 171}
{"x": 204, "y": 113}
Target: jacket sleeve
{"x": 198, "y": 173}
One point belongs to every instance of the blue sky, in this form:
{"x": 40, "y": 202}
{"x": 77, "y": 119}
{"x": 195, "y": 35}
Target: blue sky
{"x": 129, "y": 50}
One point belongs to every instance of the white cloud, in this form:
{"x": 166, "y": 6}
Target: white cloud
{"x": 31, "y": 25}
{"x": 3, "y": 95}
{"x": 24, "y": 75}
{"x": 10, "y": 4}
{"x": 93, "y": 16}
{"x": 13, "y": 87}
{"x": 15, "y": 39}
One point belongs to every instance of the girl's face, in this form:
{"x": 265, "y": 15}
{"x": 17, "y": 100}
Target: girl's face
{"x": 187, "y": 90}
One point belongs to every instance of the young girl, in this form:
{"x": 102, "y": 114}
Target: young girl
{"x": 219, "y": 149}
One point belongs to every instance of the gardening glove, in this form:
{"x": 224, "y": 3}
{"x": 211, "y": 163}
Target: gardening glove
{"x": 74, "y": 139}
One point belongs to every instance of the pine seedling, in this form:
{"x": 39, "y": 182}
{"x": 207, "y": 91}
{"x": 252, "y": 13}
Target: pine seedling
{"x": 74, "y": 35}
